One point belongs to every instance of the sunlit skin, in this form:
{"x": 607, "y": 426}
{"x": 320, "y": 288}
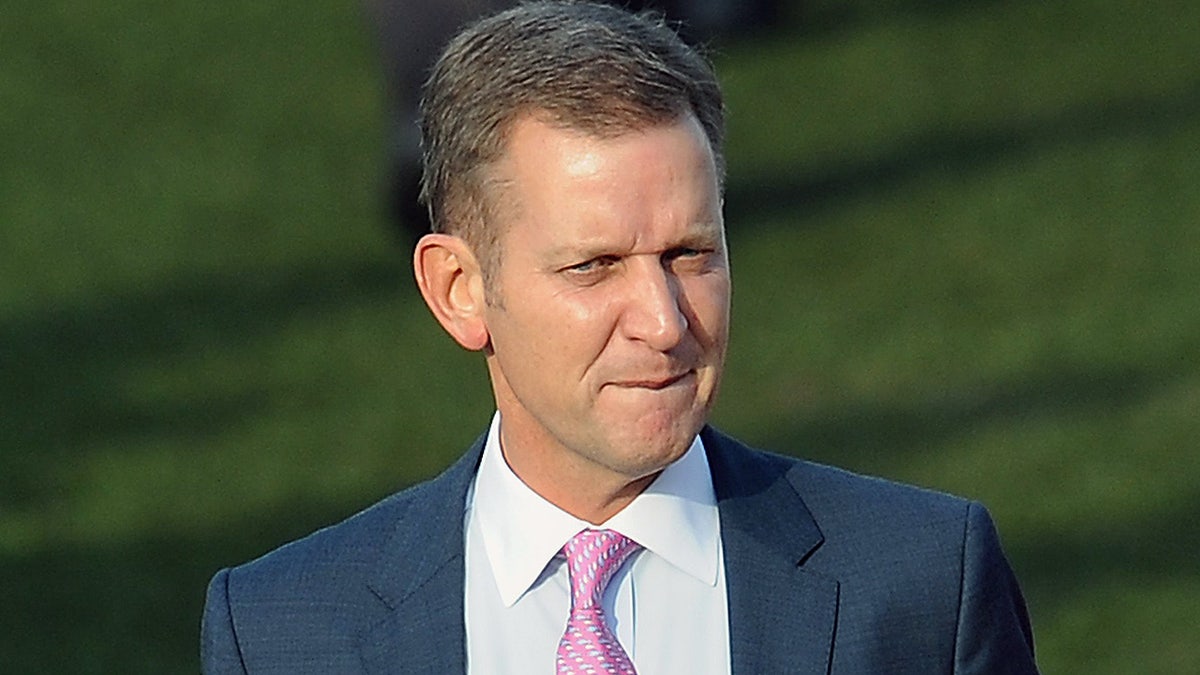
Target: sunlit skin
{"x": 606, "y": 325}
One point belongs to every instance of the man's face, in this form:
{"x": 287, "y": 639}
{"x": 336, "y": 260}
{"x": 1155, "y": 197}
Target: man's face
{"x": 608, "y": 318}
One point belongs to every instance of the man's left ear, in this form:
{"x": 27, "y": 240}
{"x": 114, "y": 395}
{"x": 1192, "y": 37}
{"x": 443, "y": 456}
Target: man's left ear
{"x": 451, "y": 283}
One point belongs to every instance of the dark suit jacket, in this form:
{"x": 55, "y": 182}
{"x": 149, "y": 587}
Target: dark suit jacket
{"x": 827, "y": 572}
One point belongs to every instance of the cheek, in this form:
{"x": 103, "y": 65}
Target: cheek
{"x": 708, "y": 302}
{"x": 558, "y": 337}
{"x": 587, "y": 319}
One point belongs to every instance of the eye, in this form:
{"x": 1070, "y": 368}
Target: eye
{"x": 687, "y": 257}
{"x": 592, "y": 266}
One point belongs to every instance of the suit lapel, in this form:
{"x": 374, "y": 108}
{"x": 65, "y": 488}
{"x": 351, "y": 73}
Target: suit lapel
{"x": 781, "y": 616}
{"x": 419, "y": 576}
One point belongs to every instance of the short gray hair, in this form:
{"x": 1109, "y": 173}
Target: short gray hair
{"x": 586, "y": 66}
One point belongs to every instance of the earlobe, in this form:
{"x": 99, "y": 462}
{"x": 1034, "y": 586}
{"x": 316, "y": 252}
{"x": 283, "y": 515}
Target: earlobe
{"x": 451, "y": 283}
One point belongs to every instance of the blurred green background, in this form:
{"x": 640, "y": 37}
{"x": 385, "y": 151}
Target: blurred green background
{"x": 966, "y": 248}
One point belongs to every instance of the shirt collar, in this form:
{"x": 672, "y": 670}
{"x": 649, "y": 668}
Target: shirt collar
{"x": 674, "y": 518}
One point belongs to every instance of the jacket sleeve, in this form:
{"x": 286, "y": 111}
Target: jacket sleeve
{"x": 994, "y": 636}
{"x": 219, "y": 652}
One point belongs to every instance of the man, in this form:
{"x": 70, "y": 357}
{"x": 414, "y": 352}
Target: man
{"x": 573, "y": 171}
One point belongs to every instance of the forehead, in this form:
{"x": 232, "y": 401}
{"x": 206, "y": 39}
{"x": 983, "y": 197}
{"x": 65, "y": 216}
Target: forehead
{"x": 580, "y": 182}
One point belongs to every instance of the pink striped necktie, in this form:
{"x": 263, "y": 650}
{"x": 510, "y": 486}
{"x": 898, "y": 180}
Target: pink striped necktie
{"x": 588, "y": 645}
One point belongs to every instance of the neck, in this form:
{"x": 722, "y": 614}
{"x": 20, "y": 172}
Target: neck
{"x": 582, "y": 489}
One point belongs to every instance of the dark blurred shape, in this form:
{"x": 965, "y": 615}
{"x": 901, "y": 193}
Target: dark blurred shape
{"x": 411, "y": 34}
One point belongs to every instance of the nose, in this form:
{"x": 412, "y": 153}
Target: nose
{"x": 655, "y": 310}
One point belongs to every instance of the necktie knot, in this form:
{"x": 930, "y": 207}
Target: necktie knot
{"x": 593, "y": 557}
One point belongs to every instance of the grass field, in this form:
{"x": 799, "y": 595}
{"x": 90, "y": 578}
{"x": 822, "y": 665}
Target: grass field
{"x": 966, "y": 249}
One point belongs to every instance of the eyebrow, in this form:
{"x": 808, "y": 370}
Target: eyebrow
{"x": 705, "y": 234}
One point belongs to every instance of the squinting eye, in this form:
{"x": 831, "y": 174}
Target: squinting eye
{"x": 590, "y": 266}
{"x": 591, "y": 269}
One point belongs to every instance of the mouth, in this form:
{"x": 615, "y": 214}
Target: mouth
{"x": 654, "y": 383}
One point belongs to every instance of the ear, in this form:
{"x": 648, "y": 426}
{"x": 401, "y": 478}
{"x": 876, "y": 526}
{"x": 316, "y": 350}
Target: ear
{"x": 451, "y": 283}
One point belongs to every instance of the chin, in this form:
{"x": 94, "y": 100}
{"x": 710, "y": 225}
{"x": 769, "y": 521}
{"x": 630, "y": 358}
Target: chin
{"x": 651, "y": 450}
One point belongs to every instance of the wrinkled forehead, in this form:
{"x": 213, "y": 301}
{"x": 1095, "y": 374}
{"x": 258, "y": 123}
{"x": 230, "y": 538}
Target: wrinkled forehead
{"x": 567, "y": 172}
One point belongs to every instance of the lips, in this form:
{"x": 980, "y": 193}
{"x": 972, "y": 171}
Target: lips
{"x": 654, "y": 383}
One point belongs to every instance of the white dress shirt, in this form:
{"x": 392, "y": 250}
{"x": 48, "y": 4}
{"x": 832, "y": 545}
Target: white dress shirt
{"x": 667, "y": 605}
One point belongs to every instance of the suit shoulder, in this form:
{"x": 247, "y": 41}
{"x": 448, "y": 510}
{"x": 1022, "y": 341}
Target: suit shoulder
{"x": 838, "y": 498}
{"x": 822, "y": 483}
{"x": 332, "y": 553}
{"x": 824, "y": 487}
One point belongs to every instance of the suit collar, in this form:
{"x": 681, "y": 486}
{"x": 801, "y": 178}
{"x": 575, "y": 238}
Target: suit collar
{"x": 781, "y": 616}
{"x": 425, "y": 630}
{"x": 757, "y": 498}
